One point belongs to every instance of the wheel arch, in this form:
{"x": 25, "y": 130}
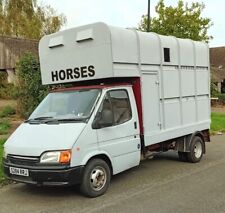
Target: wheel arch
{"x": 101, "y": 155}
{"x": 198, "y": 134}
{"x": 183, "y": 143}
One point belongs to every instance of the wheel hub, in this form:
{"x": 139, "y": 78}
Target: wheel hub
{"x": 198, "y": 150}
{"x": 98, "y": 178}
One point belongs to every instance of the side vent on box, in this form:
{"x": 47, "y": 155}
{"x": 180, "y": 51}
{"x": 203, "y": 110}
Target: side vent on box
{"x": 85, "y": 35}
{"x": 56, "y": 42}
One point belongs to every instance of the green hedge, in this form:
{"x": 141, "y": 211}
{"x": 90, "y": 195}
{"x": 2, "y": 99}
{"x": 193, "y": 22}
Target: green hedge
{"x": 31, "y": 90}
{"x": 7, "y": 91}
{"x": 221, "y": 97}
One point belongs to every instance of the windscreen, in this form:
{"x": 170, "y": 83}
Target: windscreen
{"x": 76, "y": 104}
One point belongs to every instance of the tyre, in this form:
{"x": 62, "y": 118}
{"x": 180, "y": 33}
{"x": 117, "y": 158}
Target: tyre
{"x": 96, "y": 178}
{"x": 183, "y": 156}
{"x": 196, "y": 150}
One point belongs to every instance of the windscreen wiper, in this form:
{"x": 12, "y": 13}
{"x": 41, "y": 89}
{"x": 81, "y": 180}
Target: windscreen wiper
{"x": 37, "y": 119}
{"x": 72, "y": 119}
{"x": 51, "y": 120}
{"x": 42, "y": 118}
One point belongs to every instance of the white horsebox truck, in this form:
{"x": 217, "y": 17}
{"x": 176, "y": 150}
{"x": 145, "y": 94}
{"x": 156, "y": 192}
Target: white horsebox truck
{"x": 132, "y": 94}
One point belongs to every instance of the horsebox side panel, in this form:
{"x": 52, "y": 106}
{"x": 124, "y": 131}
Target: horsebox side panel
{"x": 183, "y": 91}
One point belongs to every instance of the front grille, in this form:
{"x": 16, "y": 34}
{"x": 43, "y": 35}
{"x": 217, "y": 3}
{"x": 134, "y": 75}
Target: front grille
{"x": 22, "y": 160}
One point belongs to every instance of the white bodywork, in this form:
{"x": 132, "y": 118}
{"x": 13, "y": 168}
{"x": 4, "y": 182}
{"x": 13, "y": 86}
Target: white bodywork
{"x": 33, "y": 140}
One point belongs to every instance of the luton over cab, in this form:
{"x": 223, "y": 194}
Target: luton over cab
{"x": 128, "y": 96}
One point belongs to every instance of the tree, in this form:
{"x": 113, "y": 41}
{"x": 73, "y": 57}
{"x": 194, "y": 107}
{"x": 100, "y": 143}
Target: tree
{"x": 182, "y": 21}
{"x": 27, "y": 19}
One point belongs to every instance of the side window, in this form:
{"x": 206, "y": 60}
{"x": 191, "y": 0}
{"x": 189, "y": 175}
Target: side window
{"x": 114, "y": 110}
{"x": 120, "y": 105}
{"x": 104, "y": 117}
{"x": 106, "y": 104}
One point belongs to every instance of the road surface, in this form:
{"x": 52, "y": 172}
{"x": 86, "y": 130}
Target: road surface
{"x": 162, "y": 184}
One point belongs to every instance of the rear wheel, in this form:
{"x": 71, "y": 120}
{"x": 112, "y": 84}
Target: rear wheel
{"x": 96, "y": 178}
{"x": 196, "y": 150}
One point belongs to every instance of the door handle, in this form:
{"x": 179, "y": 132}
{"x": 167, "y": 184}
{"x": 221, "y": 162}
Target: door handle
{"x": 135, "y": 124}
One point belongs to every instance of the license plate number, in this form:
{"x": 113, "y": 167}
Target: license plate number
{"x": 19, "y": 171}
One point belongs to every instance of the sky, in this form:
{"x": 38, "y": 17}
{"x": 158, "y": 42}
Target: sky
{"x": 127, "y": 13}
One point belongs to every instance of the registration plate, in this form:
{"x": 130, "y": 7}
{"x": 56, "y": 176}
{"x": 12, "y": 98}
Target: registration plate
{"x": 19, "y": 171}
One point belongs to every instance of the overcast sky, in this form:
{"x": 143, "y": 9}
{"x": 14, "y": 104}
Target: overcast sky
{"x": 127, "y": 13}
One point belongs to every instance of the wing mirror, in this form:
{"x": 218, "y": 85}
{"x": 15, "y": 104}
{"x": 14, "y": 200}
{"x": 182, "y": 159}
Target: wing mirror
{"x": 103, "y": 119}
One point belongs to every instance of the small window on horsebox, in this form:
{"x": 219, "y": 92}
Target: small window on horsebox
{"x": 166, "y": 54}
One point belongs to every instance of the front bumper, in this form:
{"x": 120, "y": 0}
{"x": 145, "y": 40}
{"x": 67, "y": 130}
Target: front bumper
{"x": 48, "y": 176}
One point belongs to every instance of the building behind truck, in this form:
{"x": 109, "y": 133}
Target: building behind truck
{"x": 11, "y": 49}
{"x": 147, "y": 93}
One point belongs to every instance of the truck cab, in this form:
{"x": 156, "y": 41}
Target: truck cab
{"x": 71, "y": 128}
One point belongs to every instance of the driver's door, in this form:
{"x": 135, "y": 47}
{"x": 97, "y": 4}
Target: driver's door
{"x": 119, "y": 137}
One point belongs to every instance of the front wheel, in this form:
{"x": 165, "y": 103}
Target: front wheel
{"x": 196, "y": 150}
{"x": 96, "y": 178}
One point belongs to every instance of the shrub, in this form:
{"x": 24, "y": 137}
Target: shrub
{"x": 3, "y": 78}
{"x": 4, "y": 86}
{"x": 213, "y": 90}
{"x": 7, "y": 91}
{"x": 7, "y": 111}
{"x": 31, "y": 91}
{"x": 221, "y": 97}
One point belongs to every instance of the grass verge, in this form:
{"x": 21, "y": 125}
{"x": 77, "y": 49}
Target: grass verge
{"x": 7, "y": 111}
{"x": 4, "y": 127}
{"x": 2, "y": 178}
{"x": 217, "y": 122}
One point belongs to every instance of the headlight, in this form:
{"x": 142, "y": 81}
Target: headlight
{"x": 4, "y": 154}
{"x": 62, "y": 157}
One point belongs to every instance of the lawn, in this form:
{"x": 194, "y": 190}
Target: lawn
{"x": 218, "y": 122}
